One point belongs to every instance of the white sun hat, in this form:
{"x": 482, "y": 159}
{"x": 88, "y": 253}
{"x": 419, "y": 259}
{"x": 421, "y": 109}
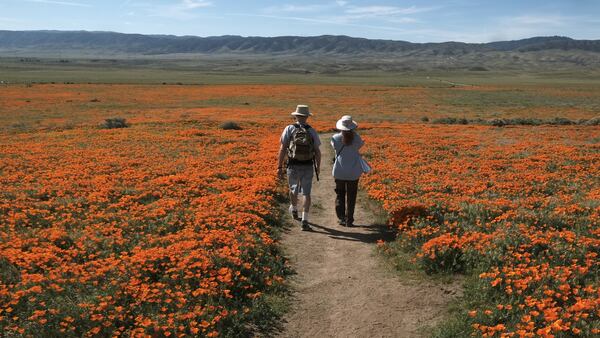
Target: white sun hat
{"x": 346, "y": 123}
{"x": 302, "y": 110}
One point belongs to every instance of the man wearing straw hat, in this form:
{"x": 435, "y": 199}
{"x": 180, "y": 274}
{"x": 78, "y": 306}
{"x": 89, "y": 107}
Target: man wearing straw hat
{"x": 300, "y": 144}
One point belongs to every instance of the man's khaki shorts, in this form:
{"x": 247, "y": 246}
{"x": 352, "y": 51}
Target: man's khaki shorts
{"x": 300, "y": 178}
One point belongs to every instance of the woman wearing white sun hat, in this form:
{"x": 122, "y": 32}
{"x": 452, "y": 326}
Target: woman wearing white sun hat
{"x": 347, "y": 168}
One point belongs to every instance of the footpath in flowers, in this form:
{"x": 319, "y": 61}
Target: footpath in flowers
{"x": 343, "y": 289}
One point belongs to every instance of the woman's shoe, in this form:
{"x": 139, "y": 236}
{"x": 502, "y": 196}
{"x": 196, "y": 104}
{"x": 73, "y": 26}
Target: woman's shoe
{"x": 342, "y": 222}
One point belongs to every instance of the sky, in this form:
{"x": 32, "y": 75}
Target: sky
{"x": 415, "y": 21}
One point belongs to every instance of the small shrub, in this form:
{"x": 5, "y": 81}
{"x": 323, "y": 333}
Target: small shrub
{"x": 442, "y": 254}
{"x": 593, "y": 121}
{"x": 446, "y": 120}
{"x": 424, "y": 119}
{"x": 222, "y": 176}
{"x": 561, "y": 121}
{"x": 497, "y": 122}
{"x": 519, "y": 121}
{"x": 451, "y": 120}
{"x": 19, "y": 126}
{"x": 526, "y": 122}
{"x": 114, "y": 123}
{"x": 230, "y": 125}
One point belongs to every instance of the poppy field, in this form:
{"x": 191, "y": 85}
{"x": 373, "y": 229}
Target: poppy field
{"x": 168, "y": 226}
{"x": 138, "y": 231}
{"x": 519, "y": 207}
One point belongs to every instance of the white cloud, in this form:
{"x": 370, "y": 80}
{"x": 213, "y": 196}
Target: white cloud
{"x": 293, "y": 8}
{"x": 289, "y": 8}
{"x": 403, "y": 20}
{"x": 11, "y": 20}
{"x": 388, "y": 14}
{"x": 356, "y": 11}
{"x": 183, "y": 10}
{"x": 61, "y": 3}
{"x": 342, "y": 12}
{"x": 280, "y": 17}
{"x": 372, "y": 11}
{"x": 530, "y": 20}
{"x": 326, "y": 20}
{"x": 191, "y": 4}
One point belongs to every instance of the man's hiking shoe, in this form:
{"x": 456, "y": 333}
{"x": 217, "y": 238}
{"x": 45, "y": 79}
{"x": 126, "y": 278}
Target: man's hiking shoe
{"x": 305, "y": 226}
{"x": 342, "y": 222}
{"x": 294, "y": 213}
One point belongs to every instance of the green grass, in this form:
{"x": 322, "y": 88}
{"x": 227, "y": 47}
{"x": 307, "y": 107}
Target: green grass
{"x": 515, "y": 98}
{"x": 455, "y": 325}
{"x": 262, "y": 71}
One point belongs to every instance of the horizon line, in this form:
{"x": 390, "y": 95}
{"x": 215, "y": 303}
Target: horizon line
{"x": 283, "y": 36}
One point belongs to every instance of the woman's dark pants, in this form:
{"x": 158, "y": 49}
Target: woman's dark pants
{"x": 345, "y": 196}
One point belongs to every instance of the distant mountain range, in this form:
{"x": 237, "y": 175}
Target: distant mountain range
{"x": 84, "y": 42}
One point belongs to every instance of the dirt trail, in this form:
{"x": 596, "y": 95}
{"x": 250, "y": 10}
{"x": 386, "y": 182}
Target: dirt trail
{"x": 341, "y": 287}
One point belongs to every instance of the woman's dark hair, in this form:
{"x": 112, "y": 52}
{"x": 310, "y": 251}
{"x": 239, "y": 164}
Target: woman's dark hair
{"x": 347, "y": 137}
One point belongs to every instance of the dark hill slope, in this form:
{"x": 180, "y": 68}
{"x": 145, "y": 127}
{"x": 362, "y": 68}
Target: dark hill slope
{"x": 109, "y": 42}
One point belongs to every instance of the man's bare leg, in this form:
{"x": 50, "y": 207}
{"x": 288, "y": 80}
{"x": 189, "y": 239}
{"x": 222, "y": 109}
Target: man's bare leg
{"x": 293, "y": 195}
{"x": 305, "y": 210}
{"x": 294, "y": 200}
{"x": 306, "y": 204}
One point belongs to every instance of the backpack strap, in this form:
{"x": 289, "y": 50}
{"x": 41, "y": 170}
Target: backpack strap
{"x": 340, "y": 152}
{"x": 298, "y": 126}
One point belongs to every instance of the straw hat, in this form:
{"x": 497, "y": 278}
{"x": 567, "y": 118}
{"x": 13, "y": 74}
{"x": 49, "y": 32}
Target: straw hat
{"x": 302, "y": 110}
{"x": 346, "y": 123}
